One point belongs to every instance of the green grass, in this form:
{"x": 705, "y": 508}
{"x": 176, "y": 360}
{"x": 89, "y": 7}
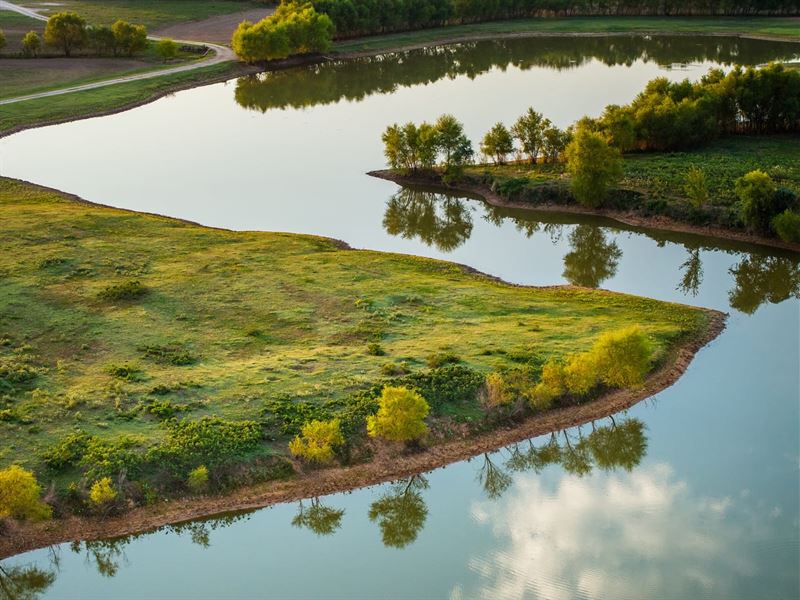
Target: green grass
{"x": 223, "y": 323}
{"x": 14, "y": 20}
{"x": 779, "y": 27}
{"x": 152, "y": 14}
{"x": 92, "y": 102}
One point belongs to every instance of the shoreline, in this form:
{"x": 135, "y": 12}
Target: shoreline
{"x": 653, "y": 223}
{"x": 388, "y": 466}
{"x": 240, "y": 69}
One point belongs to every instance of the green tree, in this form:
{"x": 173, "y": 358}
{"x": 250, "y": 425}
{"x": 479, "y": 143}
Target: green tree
{"x": 453, "y": 144}
{"x": 756, "y": 193}
{"x": 594, "y": 165}
{"x": 31, "y": 44}
{"x": 130, "y": 39}
{"x": 400, "y": 417}
{"x": 318, "y": 440}
{"x": 787, "y": 226}
{"x": 167, "y": 49}
{"x": 19, "y": 495}
{"x": 555, "y": 141}
{"x": 401, "y": 513}
{"x": 66, "y": 30}
{"x": 101, "y": 39}
{"x": 498, "y": 143}
{"x": 696, "y": 188}
{"x": 319, "y": 518}
{"x": 529, "y": 131}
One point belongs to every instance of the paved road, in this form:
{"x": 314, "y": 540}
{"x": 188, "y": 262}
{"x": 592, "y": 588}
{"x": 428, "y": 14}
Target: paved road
{"x": 220, "y": 54}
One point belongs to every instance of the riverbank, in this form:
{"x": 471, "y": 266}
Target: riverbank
{"x": 389, "y": 467}
{"x": 654, "y": 178}
{"x": 87, "y": 104}
{"x": 251, "y": 327}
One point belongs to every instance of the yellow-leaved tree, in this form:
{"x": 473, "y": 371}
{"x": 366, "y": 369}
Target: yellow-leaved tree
{"x": 19, "y": 495}
{"x": 400, "y": 417}
{"x": 623, "y": 357}
{"x": 317, "y": 440}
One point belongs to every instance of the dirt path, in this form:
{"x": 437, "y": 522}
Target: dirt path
{"x": 220, "y": 54}
{"x": 214, "y": 30}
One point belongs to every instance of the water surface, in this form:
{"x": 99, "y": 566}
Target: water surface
{"x": 690, "y": 494}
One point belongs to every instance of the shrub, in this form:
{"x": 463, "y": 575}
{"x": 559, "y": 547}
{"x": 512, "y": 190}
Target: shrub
{"x": 172, "y": 354}
{"x": 622, "y": 357}
{"x": 197, "y": 480}
{"x": 787, "y": 226}
{"x": 550, "y": 387}
{"x": 19, "y": 495}
{"x": 129, "y": 38}
{"x": 445, "y": 385}
{"x": 101, "y": 39}
{"x": 496, "y": 392}
{"x": 442, "y": 358}
{"x": 375, "y": 349}
{"x": 580, "y": 373}
{"x": 400, "y": 417}
{"x": 31, "y": 44}
{"x": 317, "y": 441}
{"x": 102, "y": 493}
{"x": 167, "y": 49}
{"x": 2, "y": 40}
{"x": 111, "y": 457}
{"x": 394, "y": 369}
{"x": 130, "y": 290}
{"x": 756, "y": 193}
{"x": 67, "y": 452}
{"x": 696, "y": 188}
{"x": 125, "y": 372}
{"x": 594, "y": 165}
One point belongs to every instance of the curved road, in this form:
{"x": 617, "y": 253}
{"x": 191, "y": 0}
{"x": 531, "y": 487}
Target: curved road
{"x": 221, "y": 54}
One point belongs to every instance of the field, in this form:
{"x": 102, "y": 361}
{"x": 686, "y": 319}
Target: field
{"x": 113, "y": 322}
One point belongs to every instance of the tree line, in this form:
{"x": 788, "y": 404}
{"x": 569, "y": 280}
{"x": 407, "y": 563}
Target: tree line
{"x": 354, "y": 18}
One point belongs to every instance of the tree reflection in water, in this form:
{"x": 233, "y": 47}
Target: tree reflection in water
{"x": 24, "y": 582}
{"x": 401, "y": 512}
{"x": 318, "y": 518}
{"x": 592, "y": 258}
{"x": 759, "y": 279}
{"x": 437, "y": 220}
{"x": 692, "y": 274}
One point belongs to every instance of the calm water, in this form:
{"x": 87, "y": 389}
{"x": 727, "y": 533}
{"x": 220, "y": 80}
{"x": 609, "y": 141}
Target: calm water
{"x": 691, "y": 494}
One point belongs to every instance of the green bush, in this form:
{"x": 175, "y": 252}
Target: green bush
{"x": 171, "y": 354}
{"x": 787, "y": 226}
{"x": 130, "y": 290}
{"x": 756, "y": 192}
{"x": 375, "y": 349}
{"x": 67, "y": 452}
{"x": 125, "y": 372}
{"x": 449, "y": 384}
{"x": 442, "y": 358}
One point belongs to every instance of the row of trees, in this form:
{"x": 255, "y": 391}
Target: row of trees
{"x": 294, "y": 28}
{"x": 361, "y": 17}
{"x": 668, "y": 116}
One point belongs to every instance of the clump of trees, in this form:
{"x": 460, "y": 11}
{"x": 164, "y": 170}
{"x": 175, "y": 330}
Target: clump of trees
{"x": 294, "y": 28}
{"x": 69, "y": 32}
{"x": 412, "y": 147}
{"x": 765, "y": 208}
{"x": 20, "y": 495}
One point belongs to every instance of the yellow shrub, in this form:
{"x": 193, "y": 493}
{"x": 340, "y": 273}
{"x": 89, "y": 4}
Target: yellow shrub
{"x": 580, "y": 373}
{"x": 623, "y": 357}
{"x": 496, "y": 392}
{"x": 400, "y": 417}
{"x": 317, "y": 441}
{"x": 19, "y": 495}
{"x": 102, "y": 492}
{"x": 197, "y": 479}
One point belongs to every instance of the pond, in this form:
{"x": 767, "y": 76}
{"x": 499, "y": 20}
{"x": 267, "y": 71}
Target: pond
{"x": 693, "y": 493}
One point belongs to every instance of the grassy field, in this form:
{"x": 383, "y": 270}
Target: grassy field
{"x": 263, "y": 326}
{"x": 788, "y": 28}
{"x": 93, "y": 102}
{"x": 152, "y": 14}
{"x": 15, "y": 25}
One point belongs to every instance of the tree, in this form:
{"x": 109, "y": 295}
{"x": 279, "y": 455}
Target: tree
{"x": 102, "y": 493}
{"x": 319, "y": 518}
{"x": 167, "y": 49}
{"x": 696, "y": 188}
{"x": 130, "y": 39}
{"x": 498, "y": 143}
{"x": 529, "y": 131}
{"x": 787, "y": 226}
{"x": 400, "y": 417}
{"x": 453, "y": 145}
{"x": 317, "y": 441}
{"x": 594, "y": 165}
{"x": 31, "y": 44}
{"x": 65, "y": 30}
{"x": 101, "y": 39}
{"x": 756, "y": 192}
{"x": 19, "y": 495}
{"x": 2, "y": 40}
{"x": 555, "y": 140}
{"x": 401, "y": 513}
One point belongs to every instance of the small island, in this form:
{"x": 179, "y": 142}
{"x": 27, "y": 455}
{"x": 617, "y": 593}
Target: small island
{"x": 145, "y": 359}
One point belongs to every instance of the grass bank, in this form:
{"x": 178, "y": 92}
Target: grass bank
{"x": 119, "y": 325}
{"x": 651, "y": 193}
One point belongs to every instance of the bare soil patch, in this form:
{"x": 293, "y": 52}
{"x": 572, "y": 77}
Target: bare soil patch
{"x": 215, "y": 30}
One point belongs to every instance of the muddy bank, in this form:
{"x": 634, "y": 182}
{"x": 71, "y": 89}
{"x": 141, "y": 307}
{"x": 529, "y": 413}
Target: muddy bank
{"x": 627, "y": 218}
{"x": 386, "y": 467}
